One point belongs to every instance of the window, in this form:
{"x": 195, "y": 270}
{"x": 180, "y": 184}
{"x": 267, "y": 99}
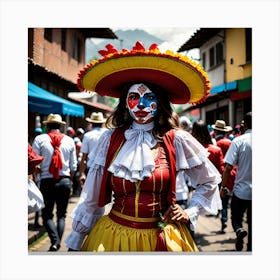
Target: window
{"x": 216, "y": 55}
{"x": 48, "y": 34}
{"x": 76, "y": 48}
{"x": 248, "y": 32}
{"x": 204, "y": 60}
{"x": 219, "y": 53}
{"x": 212, "y": 57}
{"x": 63, "y": 39}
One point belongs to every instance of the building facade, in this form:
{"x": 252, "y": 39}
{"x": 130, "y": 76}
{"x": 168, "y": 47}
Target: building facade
{"x": 55, "y": 57}
{"x": 226, "y": 55}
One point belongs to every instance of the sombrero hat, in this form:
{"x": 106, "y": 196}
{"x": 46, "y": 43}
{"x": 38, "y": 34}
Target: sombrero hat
{"x": 183, "y": 79}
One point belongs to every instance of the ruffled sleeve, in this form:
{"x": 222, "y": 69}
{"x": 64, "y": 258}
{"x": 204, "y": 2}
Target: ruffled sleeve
{"x": 97, "y": 155}
{"x": 87, "y": 212}
{"x": 192, "y": 158}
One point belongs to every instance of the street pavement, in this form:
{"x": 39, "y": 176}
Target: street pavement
{"x": 207, "y": 236}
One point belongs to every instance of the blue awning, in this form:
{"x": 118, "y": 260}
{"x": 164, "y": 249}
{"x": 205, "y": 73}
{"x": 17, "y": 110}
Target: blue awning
{"x": 45, "y": 102}
{"x": 224, "y": 87}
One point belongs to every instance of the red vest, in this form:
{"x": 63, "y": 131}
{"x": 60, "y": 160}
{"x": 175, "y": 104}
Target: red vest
{"x": 116, "y": 142}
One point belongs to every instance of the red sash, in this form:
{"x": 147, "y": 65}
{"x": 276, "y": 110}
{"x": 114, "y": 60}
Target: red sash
{"x": 56, "y": 162}
{"x": 117, "y": 140}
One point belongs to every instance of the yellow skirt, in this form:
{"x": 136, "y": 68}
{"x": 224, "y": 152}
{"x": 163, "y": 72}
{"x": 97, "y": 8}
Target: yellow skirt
{"x": 109, "y": 236}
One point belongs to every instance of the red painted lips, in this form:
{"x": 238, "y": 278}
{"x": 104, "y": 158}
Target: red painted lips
{"x": 141, "y": 114}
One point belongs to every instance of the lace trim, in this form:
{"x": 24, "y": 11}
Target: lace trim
{"x": 189, "y": 152}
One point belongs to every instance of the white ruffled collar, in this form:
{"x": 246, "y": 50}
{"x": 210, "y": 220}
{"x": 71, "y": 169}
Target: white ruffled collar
{"x": 135, "y": 161}
{"x": 145, "y": 127}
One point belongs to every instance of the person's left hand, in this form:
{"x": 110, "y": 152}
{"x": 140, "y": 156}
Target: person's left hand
{"x": 175, "y": 213}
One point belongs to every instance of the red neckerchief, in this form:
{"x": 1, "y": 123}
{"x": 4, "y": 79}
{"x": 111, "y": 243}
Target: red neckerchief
{"x": 56, "y": 163}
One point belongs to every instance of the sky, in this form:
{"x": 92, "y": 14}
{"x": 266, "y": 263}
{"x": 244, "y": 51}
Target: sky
{"x": 174, "y": 36}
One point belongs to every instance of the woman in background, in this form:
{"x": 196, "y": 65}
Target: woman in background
{"x": 201, "y": 133}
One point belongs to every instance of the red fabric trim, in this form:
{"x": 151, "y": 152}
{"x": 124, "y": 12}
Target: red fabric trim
{"x": 168, "y": 140}
{"x": 117, "y": 138}
{"x": 56, "y": 163}
{"x": 161, "y": 242}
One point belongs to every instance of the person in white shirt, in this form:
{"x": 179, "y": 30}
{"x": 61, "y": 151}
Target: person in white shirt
{"x": 57, "y": 170}
{"x": 240, "y": 154}
{"x": 89, "y": 141}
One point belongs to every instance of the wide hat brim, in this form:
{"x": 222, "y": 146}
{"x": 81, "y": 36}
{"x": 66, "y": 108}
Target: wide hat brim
{"x": 54, "y": 121}
{"x": 95, "y": 121}
{"x": 183, "y": 79}
{"x": 224, "y": 129}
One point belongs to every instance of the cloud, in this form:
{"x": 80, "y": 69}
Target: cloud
{"x": 174, "y": 37}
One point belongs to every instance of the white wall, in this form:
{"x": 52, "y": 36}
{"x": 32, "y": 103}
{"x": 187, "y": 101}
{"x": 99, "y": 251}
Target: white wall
{"x": 216, "y": 74}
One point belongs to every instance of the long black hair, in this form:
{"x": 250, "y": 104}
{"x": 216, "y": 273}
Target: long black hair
{"x": 201, "y": 133}
{"x": 164, "y": 120}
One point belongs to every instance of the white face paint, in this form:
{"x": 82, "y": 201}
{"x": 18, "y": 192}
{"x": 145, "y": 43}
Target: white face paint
{"x": 142, "y": 103}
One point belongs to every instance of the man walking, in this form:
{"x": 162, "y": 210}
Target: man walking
{"x": 240, "y": 154}
{"x": 57, "y": 170}
{"x": 220, "y": 131}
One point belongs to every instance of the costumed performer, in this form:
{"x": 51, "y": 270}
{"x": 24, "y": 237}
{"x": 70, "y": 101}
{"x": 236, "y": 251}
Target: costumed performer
{"x": 144, "y": 156}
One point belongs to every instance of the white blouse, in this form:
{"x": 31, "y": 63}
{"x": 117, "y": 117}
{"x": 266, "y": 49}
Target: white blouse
{"x": 135, "y": 162}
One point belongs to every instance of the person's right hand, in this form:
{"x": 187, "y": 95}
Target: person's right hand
{"x": 82, "y": 179}
{"x": 175, "y": 213}
{"x": 223, "y": 192}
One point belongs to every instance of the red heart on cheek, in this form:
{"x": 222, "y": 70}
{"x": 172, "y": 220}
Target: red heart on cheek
{"x": 132, "y": 103}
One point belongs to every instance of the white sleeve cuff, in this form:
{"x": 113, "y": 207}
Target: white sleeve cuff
{"x": 74, "y": 240}
{"x": 193, "y": 215}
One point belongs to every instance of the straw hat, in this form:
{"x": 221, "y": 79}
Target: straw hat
{"x": 54, "y": 118}
{"x": 96, "y": 118}
{"x": 184, "y": 80}
{"x": 229, "y": 128}
{"x": 221, "y": 126}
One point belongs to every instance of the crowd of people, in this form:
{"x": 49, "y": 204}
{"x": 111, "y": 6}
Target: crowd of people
{"x": 231, "y": 153}
{"x": 158, "y": 172}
